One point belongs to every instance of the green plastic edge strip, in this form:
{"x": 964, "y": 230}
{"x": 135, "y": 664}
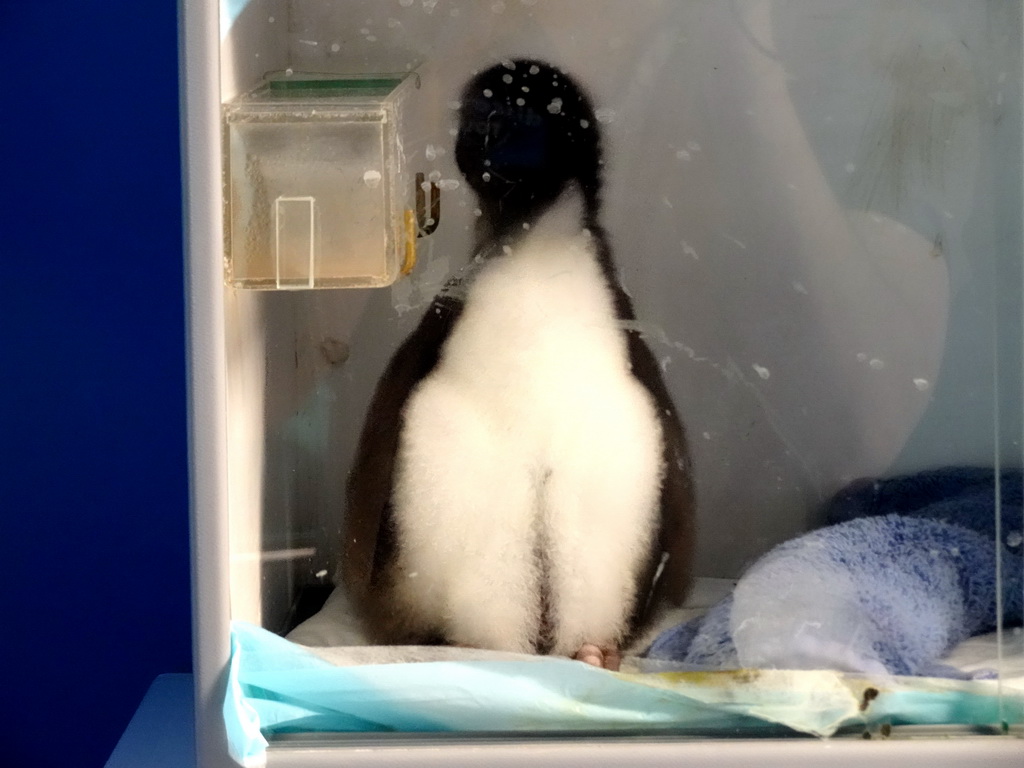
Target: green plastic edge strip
{"x": 342, "y": 84}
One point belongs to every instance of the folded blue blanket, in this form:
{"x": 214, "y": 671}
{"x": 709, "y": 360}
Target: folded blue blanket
{"x": 907, "y": 571}
{"x": 964, "y": 496}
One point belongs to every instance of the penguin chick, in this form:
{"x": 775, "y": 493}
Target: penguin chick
{"x": 522, "y": 480}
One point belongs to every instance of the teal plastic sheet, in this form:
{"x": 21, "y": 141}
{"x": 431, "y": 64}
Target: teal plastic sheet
{"x": 276, "y": 686}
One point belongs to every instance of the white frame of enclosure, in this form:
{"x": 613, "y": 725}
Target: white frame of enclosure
{"x": 201, "y": 136}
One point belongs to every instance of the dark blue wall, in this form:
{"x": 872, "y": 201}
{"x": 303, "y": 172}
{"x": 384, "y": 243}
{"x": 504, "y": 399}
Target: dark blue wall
{"x": 93, "y": 485}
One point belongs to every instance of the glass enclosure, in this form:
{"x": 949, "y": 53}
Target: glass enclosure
{"x": 815, "y": 208}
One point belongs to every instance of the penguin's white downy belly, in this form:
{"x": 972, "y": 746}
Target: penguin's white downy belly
{"x": 529, "y": 466}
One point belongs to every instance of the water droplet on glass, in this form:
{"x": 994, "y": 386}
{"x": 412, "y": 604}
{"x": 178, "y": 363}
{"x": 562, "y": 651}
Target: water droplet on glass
{"x": 876, "y": 364}
{"x": 706, "y": 435}
{"x": 605, "y": 115}
{"x": 584, "y": 123}
{"x": 688, "y": 250}
{"x": 507, "y": 250}
{"x": 555, "y": 107}
{"x": 763, "y": 372}
{"x": 454, "y": 104}
{"x": 486, "y": 176}
{"x": 430, "y": 152}
{"x": 371, "y": 38}
{"x": 448, "y": 184}
{"x": 289, "y": 72}
{"x": 799, "y": 288}
{"x": 271, "y": 19}
{"x": 520, "y": 102}
{"x": 394, "y": 23}
{"x": 508, "y": 64}
{"x": 321, "y": 574}
{"x": 372, "y": 179}
{"x": 525, "y": 89}
{"x": 477, "y": 212}
{"x": 429, "y": 5}
{"x": 683, "y": 154}
{"x": 335, "y": 47}
{"x": 506, "y": 78}
{"x": 861, "y": 357}
{"x": 850, "y": 167}
{"x": 1014, "y": 539}
{"x": 434, "y": 176}
{"x": 364, "y": 31}
{"x": 922, "y": 384}
{"x": 534, "y": 70}
{"x": 488, "y": 93}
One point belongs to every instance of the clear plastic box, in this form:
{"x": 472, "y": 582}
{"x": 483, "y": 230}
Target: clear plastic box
{"x": 315, "y": 189}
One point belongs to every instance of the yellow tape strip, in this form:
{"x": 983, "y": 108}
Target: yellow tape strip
{"x": 410, "y": 242}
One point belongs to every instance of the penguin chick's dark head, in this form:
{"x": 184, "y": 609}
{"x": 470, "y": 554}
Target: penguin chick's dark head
{"x": 526, "y": 129}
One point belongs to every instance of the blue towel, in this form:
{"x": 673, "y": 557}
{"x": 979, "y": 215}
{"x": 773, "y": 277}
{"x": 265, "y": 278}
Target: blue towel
{"x": 964, "y": 496}
{"x": 906, "y": 572}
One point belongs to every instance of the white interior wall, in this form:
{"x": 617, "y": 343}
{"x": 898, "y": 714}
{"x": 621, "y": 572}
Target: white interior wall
{"x": 809, "y": 201}
{"x": 254, "y": 36}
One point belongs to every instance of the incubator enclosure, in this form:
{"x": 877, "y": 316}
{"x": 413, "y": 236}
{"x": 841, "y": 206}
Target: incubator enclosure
{"x": 815, "y": 205}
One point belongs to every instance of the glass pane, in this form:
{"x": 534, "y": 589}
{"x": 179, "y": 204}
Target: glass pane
{"x": 812, "y": 211}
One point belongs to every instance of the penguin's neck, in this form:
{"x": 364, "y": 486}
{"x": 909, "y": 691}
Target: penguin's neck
{"x": 566, "y": 216}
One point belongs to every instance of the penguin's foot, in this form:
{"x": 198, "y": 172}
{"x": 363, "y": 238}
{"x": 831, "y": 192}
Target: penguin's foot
{"x": 604, "y": 658}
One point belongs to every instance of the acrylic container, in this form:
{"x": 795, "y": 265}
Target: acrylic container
{"x": 816, "y": 206}
{"x": 315, "y": 184}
